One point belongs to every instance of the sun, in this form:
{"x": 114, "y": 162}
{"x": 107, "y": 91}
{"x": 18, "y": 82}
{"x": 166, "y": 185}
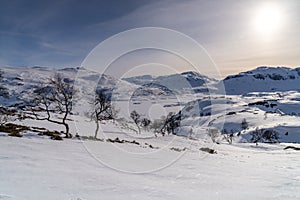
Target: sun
{"x": 268, "y": 19}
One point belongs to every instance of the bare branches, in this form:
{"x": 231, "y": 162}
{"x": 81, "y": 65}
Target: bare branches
{"x": 136, "y": 117}
{"x": 170, "y": 123}
{"x": 53, "y": 97}
{"x": 102, "y": 108}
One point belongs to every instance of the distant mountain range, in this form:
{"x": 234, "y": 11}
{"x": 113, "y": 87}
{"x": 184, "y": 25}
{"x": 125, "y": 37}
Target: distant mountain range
{"x": 277, "y": 110}
{"x": 261, "y": 79}
{"x": 18, "y": 81}
{"x": 178, "y": 83}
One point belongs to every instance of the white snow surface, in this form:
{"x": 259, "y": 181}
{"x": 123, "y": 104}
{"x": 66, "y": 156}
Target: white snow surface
{"x": 171, "y": 167}
{"x": 34, "y": 168}
{"x": 263, "y": 79}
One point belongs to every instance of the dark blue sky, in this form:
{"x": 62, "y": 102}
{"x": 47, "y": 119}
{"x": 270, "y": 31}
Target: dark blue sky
{"x": 61, "y": 33}
{"x": 49, "y": 32}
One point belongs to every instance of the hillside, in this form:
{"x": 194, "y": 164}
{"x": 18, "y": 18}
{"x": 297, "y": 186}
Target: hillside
{"x": 263, "y": 79}
{"x": 191, "y": 82}
{"x": 150, "y": 96}
{"x": 211, "y": 150}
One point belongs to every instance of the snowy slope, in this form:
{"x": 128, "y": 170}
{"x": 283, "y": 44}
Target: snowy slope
{"x": 191, "y": 82}
{"x": 279, "y": 110}
{"x": 263, "y": 79}
{"x": 21, "y": 81}
{"x": 125, "y": 165}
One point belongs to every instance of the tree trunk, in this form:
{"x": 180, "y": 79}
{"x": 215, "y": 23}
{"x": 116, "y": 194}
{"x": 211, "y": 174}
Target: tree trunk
{"x": 97, "y": 128}
{"x": 139, "y": 129}
{"x": 68, "y": 135}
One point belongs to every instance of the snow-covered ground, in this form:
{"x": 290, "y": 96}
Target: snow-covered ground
{"x": 35, "y": 168}
{"x": 125, "y": 165}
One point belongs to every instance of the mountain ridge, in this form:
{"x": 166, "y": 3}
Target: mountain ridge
{"x": 263, "y": 79}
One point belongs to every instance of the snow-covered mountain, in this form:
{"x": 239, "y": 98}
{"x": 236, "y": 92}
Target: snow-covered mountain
{"x": 86, "y": 168}
{"x": 270, "y": 96}
{"x": 152, "y": 89}
{"x": 263, "y": 79}
{"x": 19, "y": 82}
{"x": 178, "y": 83}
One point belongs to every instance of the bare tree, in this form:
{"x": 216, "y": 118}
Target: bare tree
{"x": 166, "y": 124}
{"x": 136, "y": 117}
{"x": 139, "y": 123}
{"x": 54, "y": 97}
{"x": 145, "y": 123}
{"x": 102, "y": 109}
{"x": 170, "y": 123}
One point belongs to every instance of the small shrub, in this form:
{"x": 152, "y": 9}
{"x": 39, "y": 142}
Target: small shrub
{"x": 244, "y": 124}
{"x": 90, "y": 138}
{"x": 231, "y": 113}
{"x": 15, "y": 134}
{"x": 262, "y": 135}
{"x": 54, "y": 135}
{"x": 270, "y": 135}
{"x": 13, "y": 129}
{"x": 178, "y": 149}
{"x": 208, "y": 150}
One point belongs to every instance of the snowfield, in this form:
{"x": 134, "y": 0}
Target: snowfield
{"x": 34, "y": 168}
{"x": 122, "y": 164}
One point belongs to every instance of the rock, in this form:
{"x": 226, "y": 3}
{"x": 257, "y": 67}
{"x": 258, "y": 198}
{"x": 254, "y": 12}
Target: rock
{"x": 292, "y": 147}
{"x": 208, "y": 150}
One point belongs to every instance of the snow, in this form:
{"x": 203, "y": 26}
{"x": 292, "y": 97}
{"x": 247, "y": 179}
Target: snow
{"x": 263, "y": 79}
{"x": 155, "y": 167}
{"x": 35, "y": 168}
{"x": 186, "y": 82}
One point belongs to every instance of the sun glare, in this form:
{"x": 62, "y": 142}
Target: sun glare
{"x": 268, "y": 19}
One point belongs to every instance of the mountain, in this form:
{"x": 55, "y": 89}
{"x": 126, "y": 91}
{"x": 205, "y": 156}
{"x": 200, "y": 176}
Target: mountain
{"x": 263, "y": 79}
{"x": 152, "y": 90}
{"x": 154, "y": 97}
{"x": 17, "y": 83}
{"x": 177, "y": 83}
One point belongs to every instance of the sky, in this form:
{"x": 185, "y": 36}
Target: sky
{"x": 238, "y": 35}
